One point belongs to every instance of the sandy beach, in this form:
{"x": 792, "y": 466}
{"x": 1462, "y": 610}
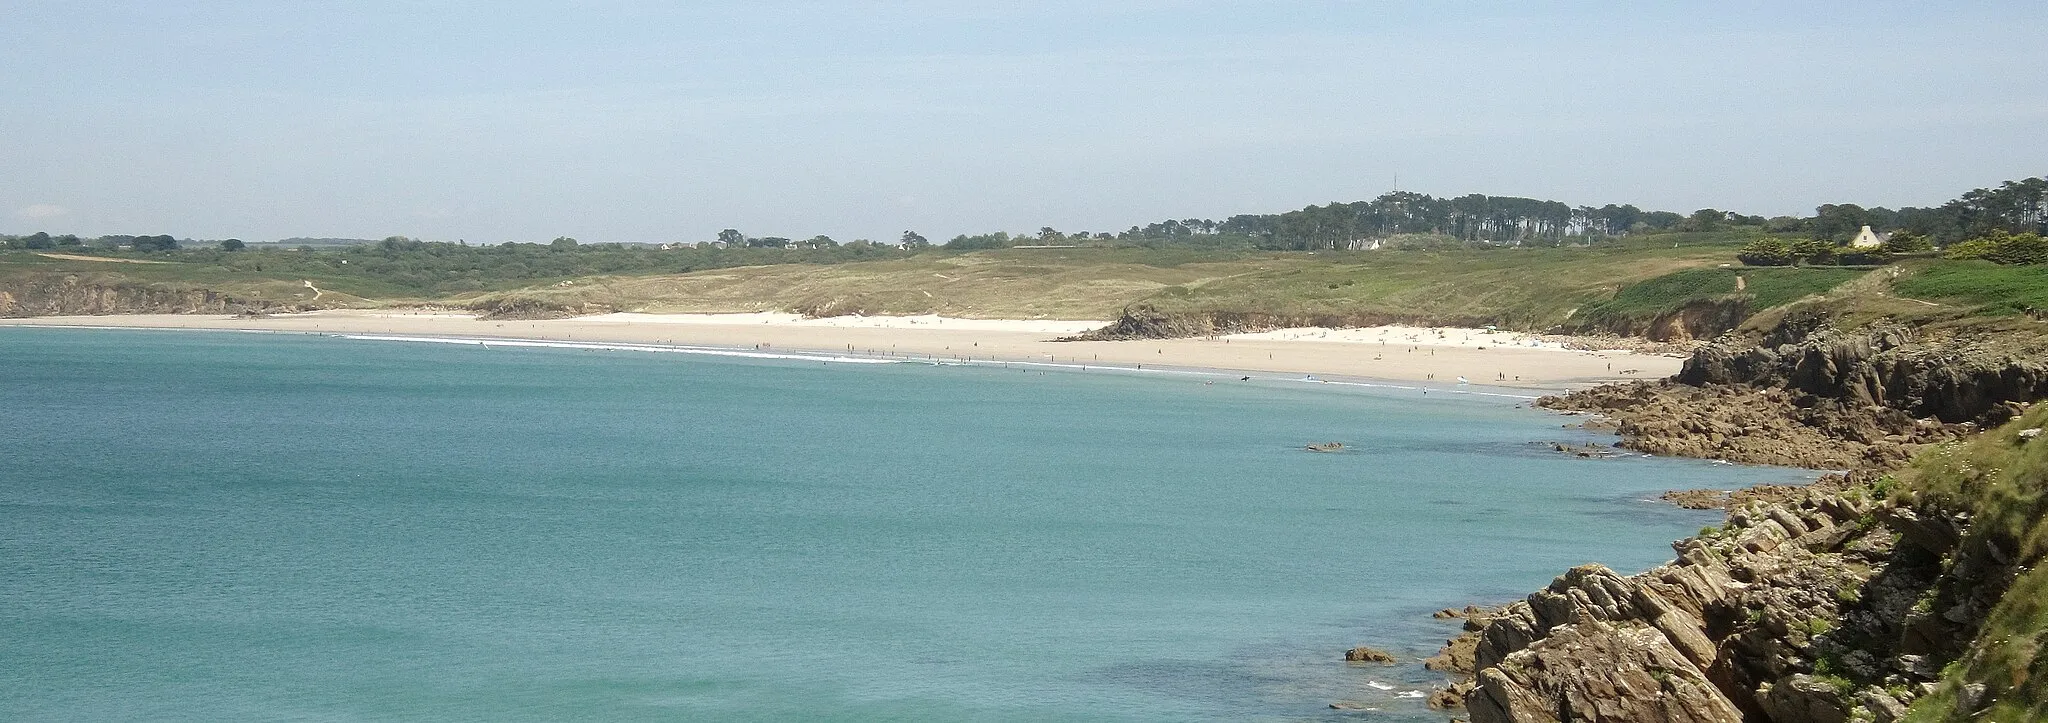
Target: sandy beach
{"x": 1407, "y": 354}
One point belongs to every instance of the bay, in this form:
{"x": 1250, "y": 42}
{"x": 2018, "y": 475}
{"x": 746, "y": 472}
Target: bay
{"x": 263, "y": 526}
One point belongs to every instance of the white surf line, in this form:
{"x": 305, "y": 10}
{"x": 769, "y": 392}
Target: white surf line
{"x": 536, "y": 344}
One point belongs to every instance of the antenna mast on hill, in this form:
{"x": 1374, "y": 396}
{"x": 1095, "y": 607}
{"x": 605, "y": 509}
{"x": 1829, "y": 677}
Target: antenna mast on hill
{"x": 1397, "y": 181}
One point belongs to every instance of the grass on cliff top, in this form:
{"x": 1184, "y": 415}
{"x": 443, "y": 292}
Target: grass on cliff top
{"x": 2002, "y": 480}
{"x": 1764, "y": 287}
{"x": 1995, "y": 290}
{"x": 1517, "y": 288}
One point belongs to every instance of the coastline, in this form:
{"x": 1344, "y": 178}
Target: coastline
{"x": 1356, "y": 356}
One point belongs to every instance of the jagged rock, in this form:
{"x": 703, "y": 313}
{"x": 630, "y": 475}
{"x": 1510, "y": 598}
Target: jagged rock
{"x": 1882, "y": 706}
{"x": 1451, "y": 698}
{"x": 1747, "y": 611}
{"x": 1803, "y": 699}
{"x": 1595, "y": 671}
{"x": 1821, "y": 398}
{"x": 1456, "y": 656}
{"x": 1367, "y": 654}
{"x": 1930, "y": 533}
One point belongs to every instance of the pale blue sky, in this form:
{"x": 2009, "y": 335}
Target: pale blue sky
{"x": 646, "y": 121}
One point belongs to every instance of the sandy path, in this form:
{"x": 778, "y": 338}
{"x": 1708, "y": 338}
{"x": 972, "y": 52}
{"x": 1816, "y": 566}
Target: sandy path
{"x": 76, "y": 257}
{"x": 1536, "y": 368}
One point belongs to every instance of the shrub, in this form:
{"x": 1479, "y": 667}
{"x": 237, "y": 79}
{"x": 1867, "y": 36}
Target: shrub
{"x": 1975, "y": 248}
{"x": 1812, "y": 251}
{"x": 1907, "y": 242}
{"x": 1766, "y": 252}
{"x": 2012, "y": 249}
{"x": 2002, "y": 248}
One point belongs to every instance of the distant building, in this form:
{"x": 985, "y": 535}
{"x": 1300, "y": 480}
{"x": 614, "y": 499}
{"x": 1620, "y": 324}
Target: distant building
{"x": 1867, "y": 239}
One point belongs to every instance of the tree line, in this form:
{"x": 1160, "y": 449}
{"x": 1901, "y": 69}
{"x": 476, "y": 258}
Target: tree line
{"x": 43, "y": 240}
{"x": 1409, "y": 219}
{"x": 1400, "y": 219}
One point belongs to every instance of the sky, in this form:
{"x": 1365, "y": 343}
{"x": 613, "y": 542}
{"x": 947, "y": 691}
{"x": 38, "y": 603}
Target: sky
{"x": 668, "y": 121}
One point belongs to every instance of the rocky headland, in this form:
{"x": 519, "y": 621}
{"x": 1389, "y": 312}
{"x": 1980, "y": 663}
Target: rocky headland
{"x": 1858, "y": 598}
{"x": 1809, "y": 395}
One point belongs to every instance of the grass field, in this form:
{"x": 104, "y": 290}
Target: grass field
{"x": 1516, "y": 288}
{"x": 1994, "y": 289}
{"x": 1759, "y": 288}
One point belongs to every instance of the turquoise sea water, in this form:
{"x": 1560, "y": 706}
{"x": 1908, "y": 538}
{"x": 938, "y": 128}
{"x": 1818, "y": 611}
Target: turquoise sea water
{"x": 215, "y": 526}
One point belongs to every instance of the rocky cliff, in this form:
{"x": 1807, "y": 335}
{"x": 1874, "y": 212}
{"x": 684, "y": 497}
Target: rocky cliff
{"x": 81, "y": 294}
{"x": 1700, "y": 319}
{"x": 1838, "y": 606}
{"x": 1813, "y": 396}
{"x": 1985, "y": 381}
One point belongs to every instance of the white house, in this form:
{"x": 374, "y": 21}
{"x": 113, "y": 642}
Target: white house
{"x": 1866, "y": 239}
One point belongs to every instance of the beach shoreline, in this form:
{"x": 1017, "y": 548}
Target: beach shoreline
{"x": 1429, "y": 357}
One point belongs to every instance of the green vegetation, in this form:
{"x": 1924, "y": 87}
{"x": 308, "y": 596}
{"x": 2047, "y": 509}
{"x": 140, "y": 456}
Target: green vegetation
{"x": 1518, "y": 263}
{"x": 2002, "y": 248}
{"x": 1994, "y": 289}
{"x": 2001, "y": 479}
{"x": 1520, "y": 288}
{"x": 1755, "y": 288}
{"x": 1517, "y": 288}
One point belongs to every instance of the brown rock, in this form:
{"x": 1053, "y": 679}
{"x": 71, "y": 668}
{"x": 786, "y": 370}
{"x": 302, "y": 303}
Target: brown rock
{"x": 1455, "y": 656}
{"x": 1366, "y": 654}
{"x": 1598, "y": 672}
{"x": 1451, "y": 698}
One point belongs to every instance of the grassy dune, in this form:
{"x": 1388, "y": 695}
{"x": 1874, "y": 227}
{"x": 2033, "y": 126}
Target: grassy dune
{"x": 1519, "y": 288}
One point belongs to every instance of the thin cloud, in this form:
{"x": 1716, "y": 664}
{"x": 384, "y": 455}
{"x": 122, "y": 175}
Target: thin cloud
{"x": 39, "y": 211}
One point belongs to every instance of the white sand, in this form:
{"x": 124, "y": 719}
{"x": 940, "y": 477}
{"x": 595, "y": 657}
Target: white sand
{"x": 1408, "y": 336}
{"x": 927, "y": 321}
{"x": 1293, "y": 353}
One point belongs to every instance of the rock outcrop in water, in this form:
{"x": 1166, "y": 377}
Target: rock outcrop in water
{"x": 1844, "y": 601}
{"x": 1801, "y": 611}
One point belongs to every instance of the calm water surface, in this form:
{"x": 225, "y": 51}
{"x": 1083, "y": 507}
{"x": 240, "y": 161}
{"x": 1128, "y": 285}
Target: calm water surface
{"x": 261, "y": 527}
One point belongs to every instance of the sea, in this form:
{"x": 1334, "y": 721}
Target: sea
{"x": 261, "y": 526}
